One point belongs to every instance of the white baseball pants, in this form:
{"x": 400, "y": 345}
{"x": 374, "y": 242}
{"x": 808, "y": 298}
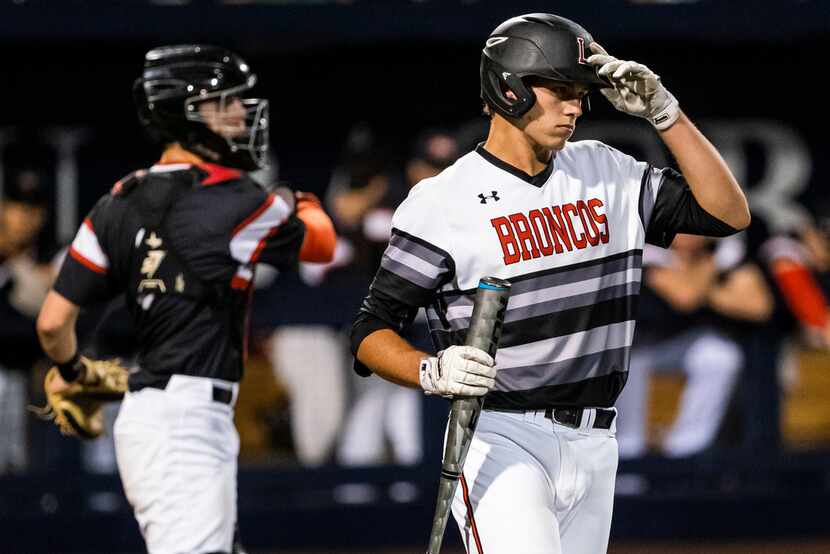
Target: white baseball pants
{"x": 177, "y": 454}
{"x": 532, "y": 486}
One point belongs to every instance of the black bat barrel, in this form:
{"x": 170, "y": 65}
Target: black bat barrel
{"x": 484, "y": 333}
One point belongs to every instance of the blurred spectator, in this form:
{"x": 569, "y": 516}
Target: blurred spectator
{"x": 309, "y": 360}
{"x": 711, "y": 311}
{"x": 800, "y": 311}
{"x": 691, "y": 309}
{"x": 384, "y": 414}
{"x": 23, "y": 286}
{"x": 307, "y": 350}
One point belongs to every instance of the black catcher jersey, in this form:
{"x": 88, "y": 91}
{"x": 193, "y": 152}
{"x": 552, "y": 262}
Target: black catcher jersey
{"x": 185, "y": 262}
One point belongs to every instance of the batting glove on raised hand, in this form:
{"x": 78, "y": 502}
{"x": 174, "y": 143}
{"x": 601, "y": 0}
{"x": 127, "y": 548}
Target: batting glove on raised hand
{"x": 458, "y": 371}
{"x": 637, "y": 89}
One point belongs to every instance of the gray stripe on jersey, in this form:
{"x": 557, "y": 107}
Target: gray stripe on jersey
{"x": 558, "y": 373}
{"x": 567, "y": 347}
{"x": 407, "y": 273}
{"x": 457, "y": 321}
{"x": 651, "y": 182}
{"x": 634, "y": 259}
{"x": 558, "y": 298}
{"x": 418, "y": 264}
{"x": 430, "y": 256}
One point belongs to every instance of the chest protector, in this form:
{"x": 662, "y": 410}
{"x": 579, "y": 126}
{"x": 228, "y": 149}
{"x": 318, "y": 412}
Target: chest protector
{"x": 157, "y": 267}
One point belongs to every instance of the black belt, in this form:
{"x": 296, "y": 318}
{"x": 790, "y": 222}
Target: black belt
{"x": 221, "y": 395}
{"x": 572, "y": 417}
{"x": 225, "y": 396}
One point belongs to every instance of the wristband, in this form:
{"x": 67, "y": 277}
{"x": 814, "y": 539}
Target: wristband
{"x": 425, "y": 375}
{"x": 70, "y": 370}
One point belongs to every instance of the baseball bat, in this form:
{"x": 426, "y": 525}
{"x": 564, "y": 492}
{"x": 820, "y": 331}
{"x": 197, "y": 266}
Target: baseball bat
{"x": 484, "y": 333}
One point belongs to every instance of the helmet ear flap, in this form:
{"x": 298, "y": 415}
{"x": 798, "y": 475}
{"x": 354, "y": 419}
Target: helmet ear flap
{"x": 496, "y": 81}
{"x": 145, "y": 114}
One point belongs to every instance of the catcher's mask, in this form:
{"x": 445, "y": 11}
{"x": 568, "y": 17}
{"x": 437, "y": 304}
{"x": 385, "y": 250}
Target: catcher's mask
{"x": 177, "y": 79}
{"x": 538, "y": 45}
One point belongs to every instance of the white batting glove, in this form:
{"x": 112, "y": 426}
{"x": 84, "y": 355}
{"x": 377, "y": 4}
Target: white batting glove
{"x": 458, "y": 371}
{"x": 637, "y": 89}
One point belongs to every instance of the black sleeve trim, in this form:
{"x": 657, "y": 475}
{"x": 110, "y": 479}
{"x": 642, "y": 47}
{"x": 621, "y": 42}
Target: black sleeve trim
{"x": 400, "y": 290}
{"x": 82, "y": 286}
{"x": 644, "y": 185}
{"x": 364, "y": 325}
{"x": 378, "y": 311}
{"x": 447, "y": 258}
{"x": 677, "y": 211}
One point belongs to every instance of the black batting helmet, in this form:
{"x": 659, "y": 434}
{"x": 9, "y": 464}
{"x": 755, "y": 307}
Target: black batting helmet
{"x": 540, "y": 45}
{"x": 176, "y": 79}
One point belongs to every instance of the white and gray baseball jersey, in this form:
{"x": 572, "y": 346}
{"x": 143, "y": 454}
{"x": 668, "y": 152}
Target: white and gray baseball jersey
{"x": 570, "y": 241}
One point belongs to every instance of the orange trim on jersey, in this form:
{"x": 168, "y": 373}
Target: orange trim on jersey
{"x": 264, "y": 206}
{"x": 320, "y": 238}
{"x": 176, "y": 154}
{"x": 470, "y": 515}
{"x": 86, "y": 262}
{"x": 801, "y": 292}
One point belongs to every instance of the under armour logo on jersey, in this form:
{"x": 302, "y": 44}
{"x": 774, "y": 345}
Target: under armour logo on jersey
{"x": 494, "y": 195}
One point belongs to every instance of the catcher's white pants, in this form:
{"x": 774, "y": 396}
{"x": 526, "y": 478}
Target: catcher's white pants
{"x": 532, "y": 486}
{"x": 177, "y": 455}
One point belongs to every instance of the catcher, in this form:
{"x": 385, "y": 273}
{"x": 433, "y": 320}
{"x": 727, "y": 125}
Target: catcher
{"x": 182, "y": 240}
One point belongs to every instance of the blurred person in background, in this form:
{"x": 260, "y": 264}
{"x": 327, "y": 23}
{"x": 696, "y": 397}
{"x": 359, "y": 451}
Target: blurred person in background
{"x": 318, "y": 399}
{"x": 720, "y": 312}
{"x": 800, "y": 317}
{"x": 23, "y": 286}
{"x": 383, "y": 414}
{"x": 676, "y": 332}
{"x": 182, "y": 240}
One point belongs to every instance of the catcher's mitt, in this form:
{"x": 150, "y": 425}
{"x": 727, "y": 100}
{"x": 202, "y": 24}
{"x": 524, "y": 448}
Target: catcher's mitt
{"x": 77, "y": 408}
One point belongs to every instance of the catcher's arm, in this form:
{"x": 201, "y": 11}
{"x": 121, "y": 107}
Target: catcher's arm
{"x": 56, "y": 331}
{"x": 76, "y": 387}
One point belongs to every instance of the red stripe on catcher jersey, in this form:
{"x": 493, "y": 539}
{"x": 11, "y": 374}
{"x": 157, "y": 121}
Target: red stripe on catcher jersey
{"x": 218, "y": 174}
{"x": 89, "y": 264}
{"x": 87, "y": 250}
{"x": 242, "y": 279}
{"x": 249, "y": 237}
{"x": 248, "y": 220}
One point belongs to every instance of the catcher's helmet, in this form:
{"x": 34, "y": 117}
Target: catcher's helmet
{"x": 176, "y": 79}
{"x": 537, "y": 44}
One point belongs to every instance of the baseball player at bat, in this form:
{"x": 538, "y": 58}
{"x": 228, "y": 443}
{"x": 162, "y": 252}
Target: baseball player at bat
{"x": 182, "y": 240}
{"x": 565, "y": 223}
